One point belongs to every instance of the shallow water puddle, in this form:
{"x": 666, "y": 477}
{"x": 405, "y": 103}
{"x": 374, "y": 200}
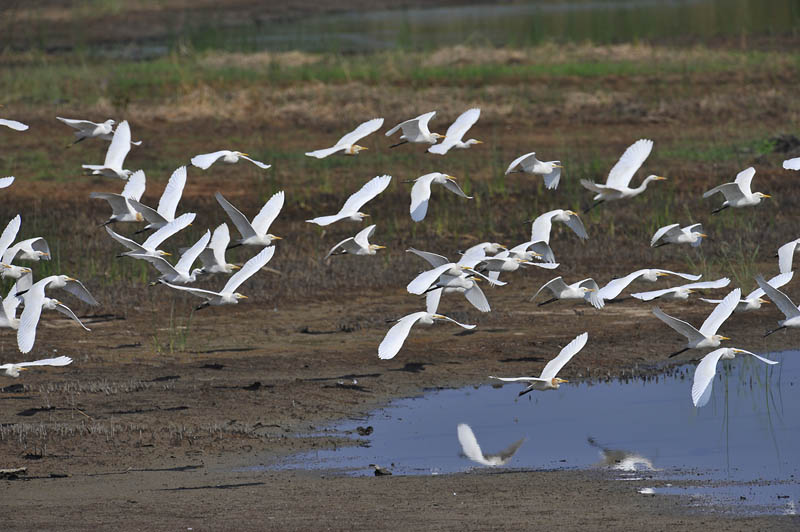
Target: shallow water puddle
{"x": 742, "y": 447}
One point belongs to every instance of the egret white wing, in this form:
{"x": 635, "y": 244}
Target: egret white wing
{"x": 134, "y": 186}
{"x": 721, "y": 313}
{"x": 13, "y": 124}
{"x": 420, "y": 195}
{"x": 519, "y": 162}
{"x": 469, "y": 445}
{"x": 119, "y": 147}
{"x": 29, "y": 319}
{"x": 680, "y": 326}
{"x": 261, "y": 165}
{"x": 178, "y": 224}
{"x": 792, "y": 164}
{"x": 8, "y": 236}
{"x": 434, "y": 259}
{"x": 432, "y": 300}
{"x": 453, "y": 187}
{"x": 239, "y": 220}
{"x": 463, "y": 325}
{"x": 367, "y": 128}
{"x": 65, "y": 310}
{"x": 621, "y": 174}
{"x": 744, "y": 178}
{"x": 426, "y": 279}
{"x": 478, "y": 299}
{"x": 125, "y": 241}
{"x": 266, "y": 216}
{"x": 776, "y": 282}
{"x": 396, "y": 337}
{"x": 786, "y": 256}
{"x": 6, "y": 182}
{"x": 249, "y": 269}
{"x": 780, "y": 299}
{"x": 552, "y": 368}
{"x": 663, "y": 231}
{"x": 371, "y": 188}
{"x": 184, "y": 265}
{"x": 363, "y": 236}
{"x": 168, "y": 203}
{"x": 205, "y": 160}
{"x": 704, "y": 377}
{"x": 58, "y": 361}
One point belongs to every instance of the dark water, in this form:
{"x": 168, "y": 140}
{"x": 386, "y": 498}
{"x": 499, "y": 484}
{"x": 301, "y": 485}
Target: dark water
{"x": 517, "y": 24}
{"x": 749, "y": 432}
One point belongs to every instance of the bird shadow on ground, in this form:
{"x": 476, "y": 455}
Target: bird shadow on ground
{"x": 521, "y": 359}
{"x": 412, "y": 367}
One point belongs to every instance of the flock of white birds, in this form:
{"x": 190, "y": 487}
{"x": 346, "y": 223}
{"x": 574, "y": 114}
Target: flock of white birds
{"x": 483, "y": 262}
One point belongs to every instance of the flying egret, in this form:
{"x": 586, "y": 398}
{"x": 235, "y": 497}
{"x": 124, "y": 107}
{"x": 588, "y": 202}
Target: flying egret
{"x": 6, "y": 182}
{"x": 356, "y": 245}
{"x": 485, "y": 248}
{"x": 87, "y": 129}
{"x": 70, "y": 284}
{"x": 421, "y": 192}
{"x": 34, "y": 301}
{"x": 531, "y": 250}
{"x": 115, "y": 156}
{"x": 682, "y": 292}
{"x": 753, "y": 300}
{"x": 415, "y": 130}
{"x": 123, "y": 208}
{"x": 737, "y": 194}
{"x": 471, "y": 449}
{"x": 615, "y": 287}
{"x": 182, "y": 271}
{"x": 396, "y": 336}
{"x": 150, "y": 245}
{"x": 784, "y": 304}
{"x": 228, "y": 296}
{"x": 622, "y": 460}
{"x": 213, "y": 257}
{"x": 675, "y": 234}
{"x": 347, "y": 143}
{"x": 707, "y": 335}
{"x": 205, "y": 160}
{"x": 167, "y": 205}
{"x": 583, "y": 290}
{"x": 786, "y": 255}
{"x": 541, "y": 226}
{"x": 255, "y": 233}
{"x": 548, "y": 380}
{"x": 12, "y": 370}
{"x": 529, "y": 164}
{"x": 455, "y": 133}
{"x": 707, "y": 369}
{"x": 351, "y": 207}
{"x": 34, "y": 249}
{"x": 13, "y": 124}
{"x": 619, "y": 178}
{"x": 792, "y": 164}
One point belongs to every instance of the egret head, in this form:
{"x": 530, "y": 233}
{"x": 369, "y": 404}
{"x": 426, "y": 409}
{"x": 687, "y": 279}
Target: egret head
{"x": 470, "y": 142}
{"x": 240, "y": 154}
{"x": 719, "y": 338}
{"x": 163, "y": 253}
{"x": 437, "y": 136}
{"x": 762, "y": 195}
{"x": 571, "y": 213}
{"x": 109, "y": 122}
{"x": 361, "y": 215}
{"x": 375, "y": 247}
{"x": 13, "y": 370}
{"x": 656, "y": 178}
{"x": 555, "y": 382}
{"x": 233, "y": 266}
{"x": 273, "y": 237}
{"x": 762, "y": 301}
{"x": 237, "y": 295}
{"x": 586, "y": 289}
{"x": 354, "y": 149}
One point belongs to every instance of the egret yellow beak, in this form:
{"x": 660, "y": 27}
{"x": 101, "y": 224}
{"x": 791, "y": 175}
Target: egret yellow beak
{"x": 245, "y": 154}
{"x": 765, "y": 196}
{"x": 478, "y": 142}
{"x": 277, "y": 237}
{"x": 561, "y": 380}
{"x": 168, "y": 254}
{"x": 235, "y": 267}
{"x": 46, "y": 254}
{"x": 439, "y": 316}
{"x": 557, "y": 166}
{"x": 703, "y": 235}
{"x": 660, "y": 178}
{"x": 377, "y": 246}
{"x": 724, "y": 338}
{"x": 661, "y": 274}
{"x": 690, "y": 291}
{"x": 763, "y": 301}
{"x": 23, "y": 369}
{"x": 571, "y": 213}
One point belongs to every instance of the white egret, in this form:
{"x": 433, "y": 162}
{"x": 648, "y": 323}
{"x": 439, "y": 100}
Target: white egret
{"x": 13, "y": 124}
{"x": 548, "y": 380}
{"x": 484, "y": 248}
{"x": 12, "y": 370}
{"x": 347, "y": 144}
{"x": 228, "y": 296}
{"x": 786, "y": 255}
{"x": 682, "y": 292}
{"x": 529, "y": 164}
{"x": 396, "y": 337}
{"x": 619, "y": 178}
{"x": 213, "y": 257}
{"x": 69, "y": 284}
{"x": 182, "y": 271}
{"x": 87, "y": 129}
{"x": 615, "y": 287}
{"x": 167, "y": 205}
{"x": 356, "y": 245}
{"x": 707, "y": 335}
{"x": 622, "y": 460}
{"x": 34, "y": 301}
{"x": 205, "y": 160}
{"x": 115, "y": 156}
{"x": 123, "y": 208}
{"x": 455, "y": 133}
{"x": 707, "y": 369}
{"x": 541, "y": 226}
{"x": 415, "y": 130}
{"x": 6, "y": 182}
{"x": 753, "y": 300}
{"x": 737, "y": 194}
{"x": 531, "y": 250}
{"x": 34, "y": 249}
{"x": 421, "y": 192}
{"x": 471, "y": 449}
{"x": 675, "y": 234}
{"x": 255, "y": 233}
{"x": 784, "y": 304}
{"x": 585, "y": 290}
{"x": 150, "y": 245}
{"x": 792, "y": 164}
{"x": 351, "y": 207}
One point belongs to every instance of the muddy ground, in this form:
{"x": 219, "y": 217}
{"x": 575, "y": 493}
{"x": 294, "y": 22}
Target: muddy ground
{"x": 149, "y": 427}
